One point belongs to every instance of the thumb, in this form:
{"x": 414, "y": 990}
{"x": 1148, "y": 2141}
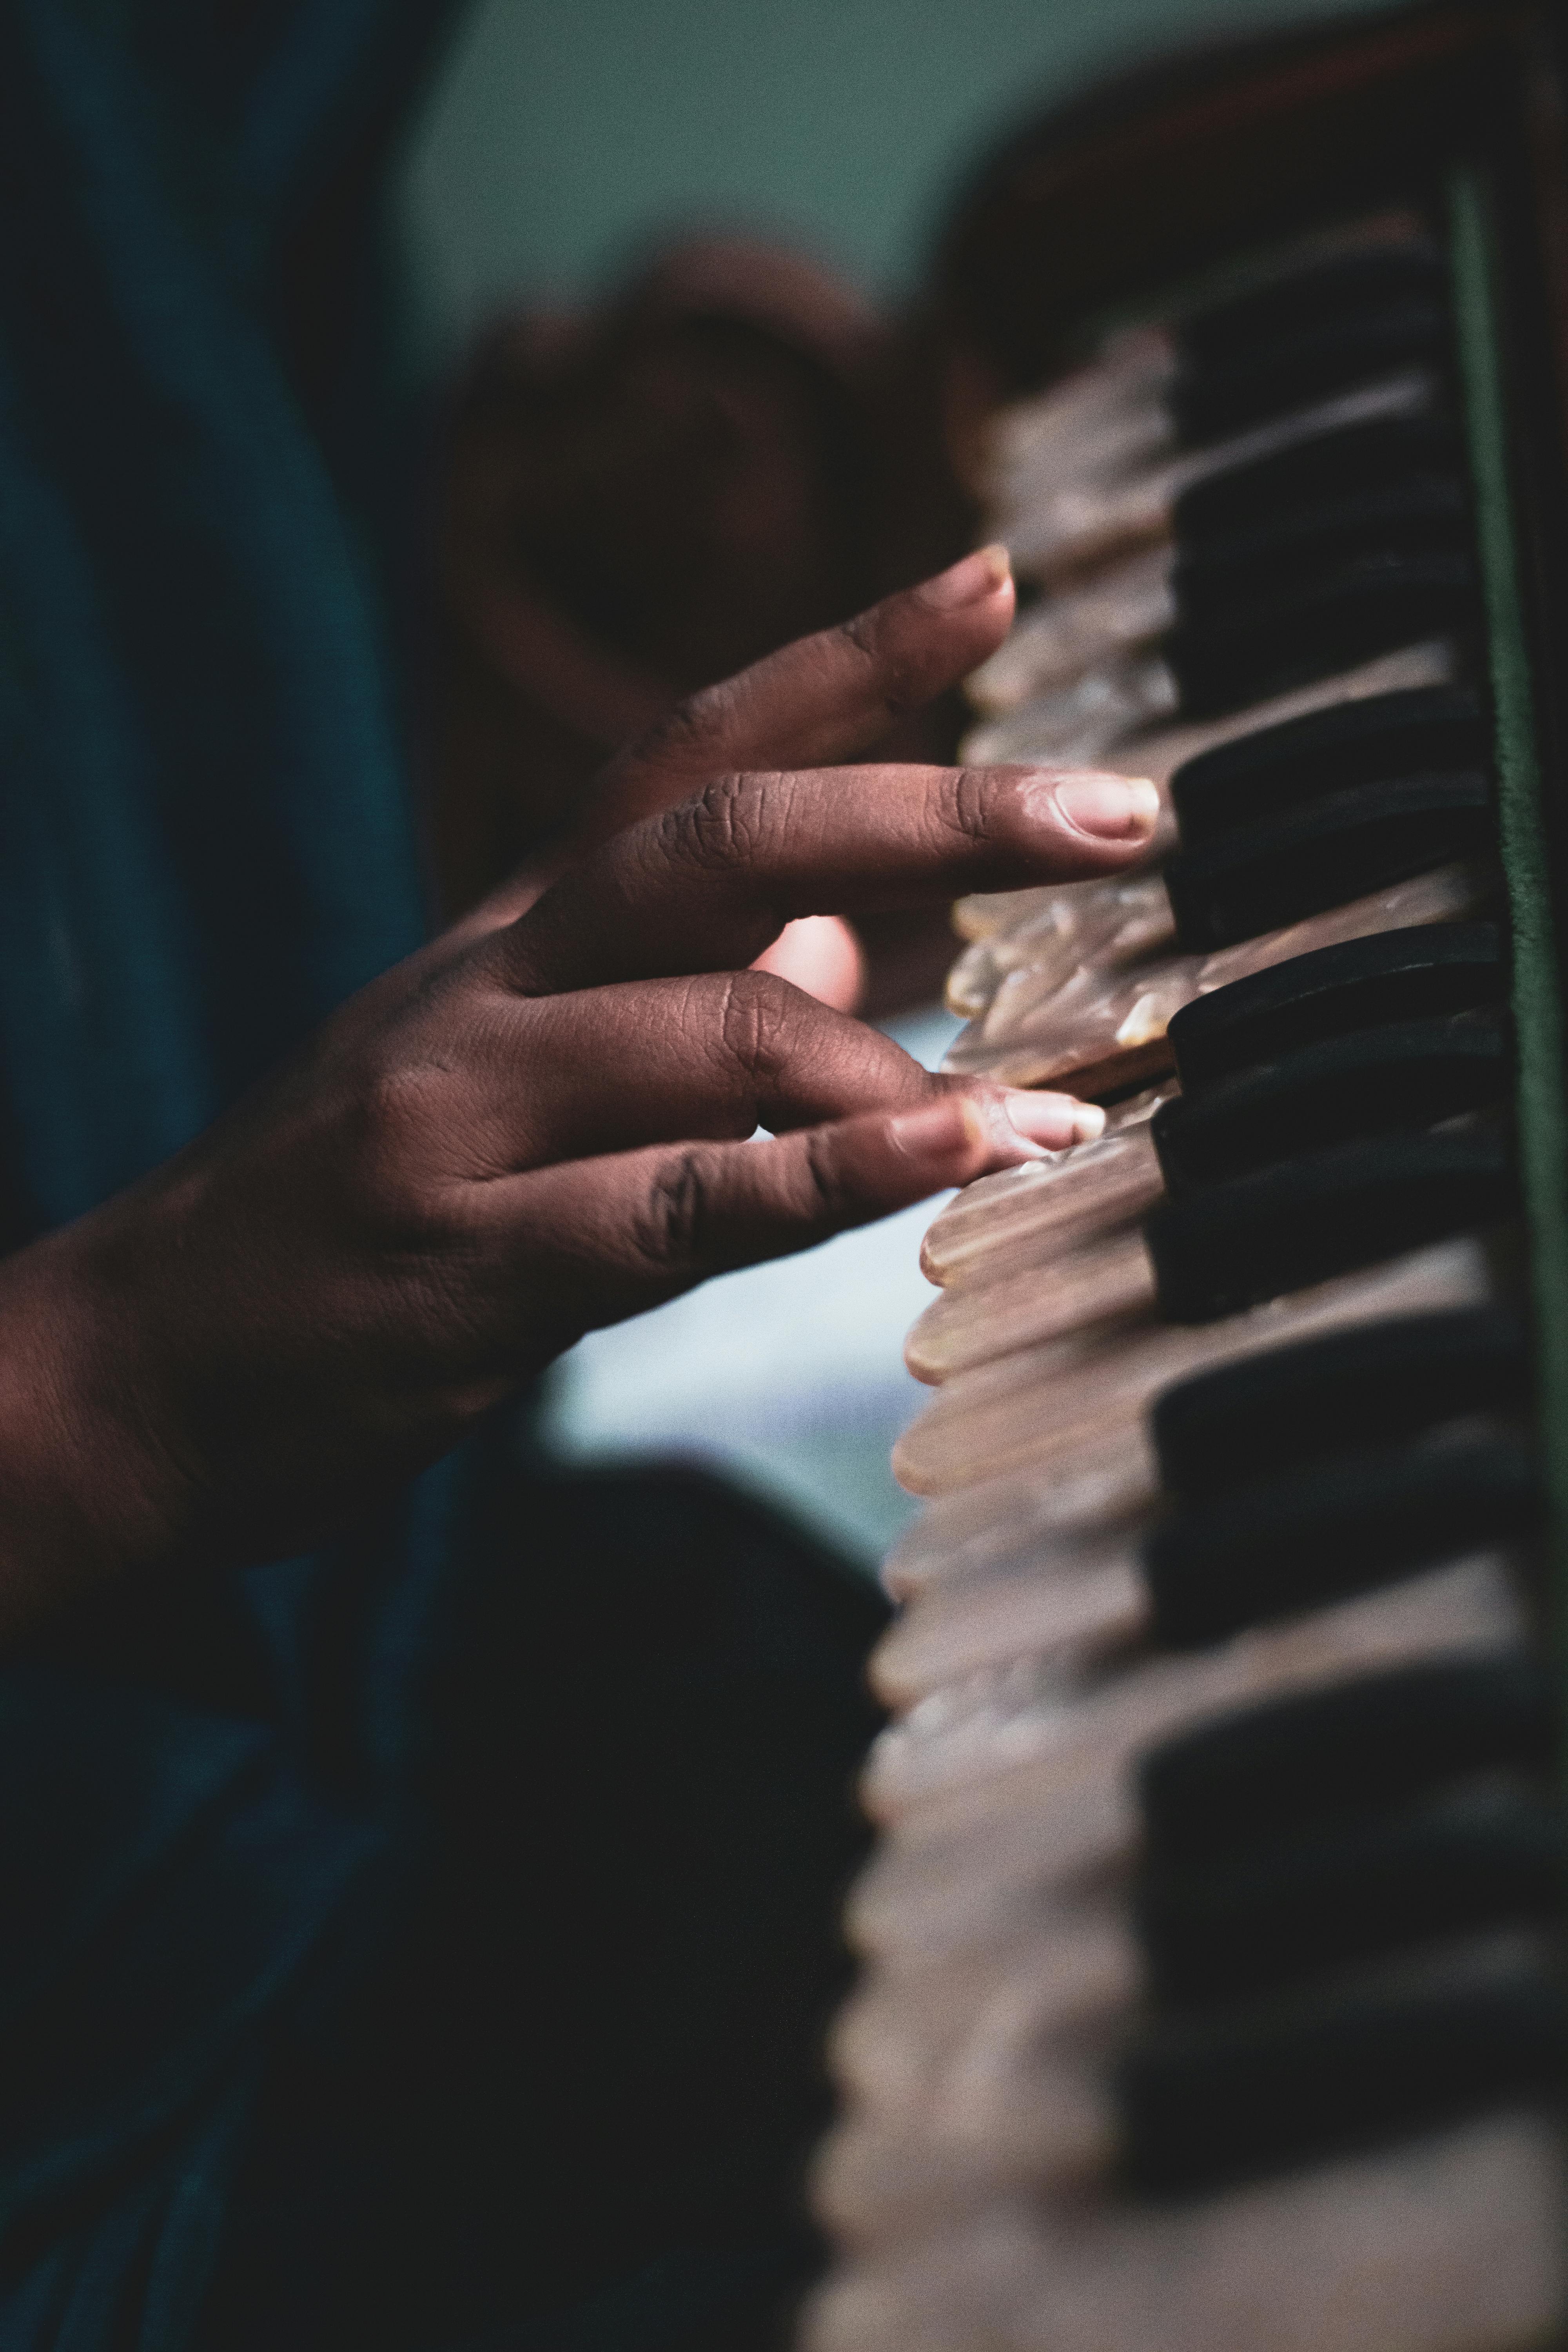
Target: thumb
{"x": 821, "y": 955}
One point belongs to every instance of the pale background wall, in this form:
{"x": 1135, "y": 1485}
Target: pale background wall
{"x": 564, "y": 134}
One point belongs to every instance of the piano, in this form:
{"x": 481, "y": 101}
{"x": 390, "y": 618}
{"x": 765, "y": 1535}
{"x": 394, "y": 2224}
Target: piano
{"x": 1210, "y": 1992}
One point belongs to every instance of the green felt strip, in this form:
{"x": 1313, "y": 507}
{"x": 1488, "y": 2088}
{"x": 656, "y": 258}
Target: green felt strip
{"x": 1537, "y": 1007}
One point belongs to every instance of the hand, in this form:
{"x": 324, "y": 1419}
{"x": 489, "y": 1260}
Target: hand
{"x": 539, "y": 1125}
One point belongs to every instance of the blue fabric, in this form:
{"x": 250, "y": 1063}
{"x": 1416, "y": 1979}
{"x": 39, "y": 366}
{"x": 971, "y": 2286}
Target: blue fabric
{"x": 205, "y": 843}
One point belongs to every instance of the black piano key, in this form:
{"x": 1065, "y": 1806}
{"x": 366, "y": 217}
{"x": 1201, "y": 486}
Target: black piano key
{"x": 1313, "y": 624}
{"x": 1277, "y": 871}
{"x": 1372, "y": 1385}
{"x": 1209, "y": 402}
{"x": 1346, "y": 1749}
{"x": 1219, "y": 584}
{"x": 1408, "y": 975}
{"x": 1462, "y": 1861}
{"x": 1426, "y": 730}
{"x": 1229, "y": 1246}
{"x": 1332, "y": 1528}
{"x": 1408, "y": 513}
{"x": 1405, "y": 1074}
{"x": 1316, "y": 293}
{"x": 1209, "y": 2100}
{"x": 1351, "y": 462}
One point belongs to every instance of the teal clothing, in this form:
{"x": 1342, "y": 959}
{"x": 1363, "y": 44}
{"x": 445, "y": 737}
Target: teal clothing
{"x": 233, "y": 1809}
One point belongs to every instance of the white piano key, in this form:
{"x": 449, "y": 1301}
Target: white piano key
{"x": 1103, "y": 1028}
{"x": 1451, "y": 2242}
{"x": 1055, "y": 642}
{"x": 1158, "y": 755}
{"x": 1044, "y": 1408}
{"x": 1113, "y": 1482}
{"x": 1029, "y": 1716}
{"x": 1065, "y": 520}
{"x": 1073, "y": 1599}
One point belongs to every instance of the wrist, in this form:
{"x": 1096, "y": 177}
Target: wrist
{"x": 89, "y": 1486}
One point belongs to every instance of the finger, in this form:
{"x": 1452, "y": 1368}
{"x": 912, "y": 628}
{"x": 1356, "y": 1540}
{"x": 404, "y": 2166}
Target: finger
{"x": 822, "y": 956}
{"x": 630, "y": 1232}
{"x": 710, "y": 885}
{"x": 824, "y": 697}
{"x": 821, "y": 699}
{"x": 615, "y": 1068}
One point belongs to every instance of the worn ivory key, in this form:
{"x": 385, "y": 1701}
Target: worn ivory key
{"x": 1103, "y": 1030}
{"x": 994, "y": 1420}
{"x": 1019, "y": 925}
{"x": 1103, "y": 719}
{"x": 1004, "y": 1720}
{"x": 1241, "y": 1240}
{"x": 1449, "y": 2243}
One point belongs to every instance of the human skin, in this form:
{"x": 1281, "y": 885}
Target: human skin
{"x": 540, "y": 1124}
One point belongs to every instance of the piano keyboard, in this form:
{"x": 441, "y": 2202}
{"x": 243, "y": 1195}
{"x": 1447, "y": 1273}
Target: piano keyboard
{"x": 1211, "y": 1991}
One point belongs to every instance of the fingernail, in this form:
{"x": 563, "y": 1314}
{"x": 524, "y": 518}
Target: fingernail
{"x": 1049, "y": 1118}
{"x": 1111, "y": 808}
{"x": 968, "y": 582}
{"x": 1087, "y": 1123}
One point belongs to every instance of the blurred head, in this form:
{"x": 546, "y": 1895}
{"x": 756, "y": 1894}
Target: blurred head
{"x": 638, "y": 502}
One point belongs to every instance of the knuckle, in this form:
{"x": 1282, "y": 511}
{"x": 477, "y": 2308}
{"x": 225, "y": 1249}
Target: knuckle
{"x": 401, "y": 1119}
{"x": 821, "y": 1178}
{"x": 897, "y": 680}
{"x": 401, "y": 1109}
{"x": 965, "y": 808}
{"x": 716, "y": 831}
{"x": 671, "y": 1225}
{"x": 756, "y": 1014}
{"x": 690, "y": 734}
